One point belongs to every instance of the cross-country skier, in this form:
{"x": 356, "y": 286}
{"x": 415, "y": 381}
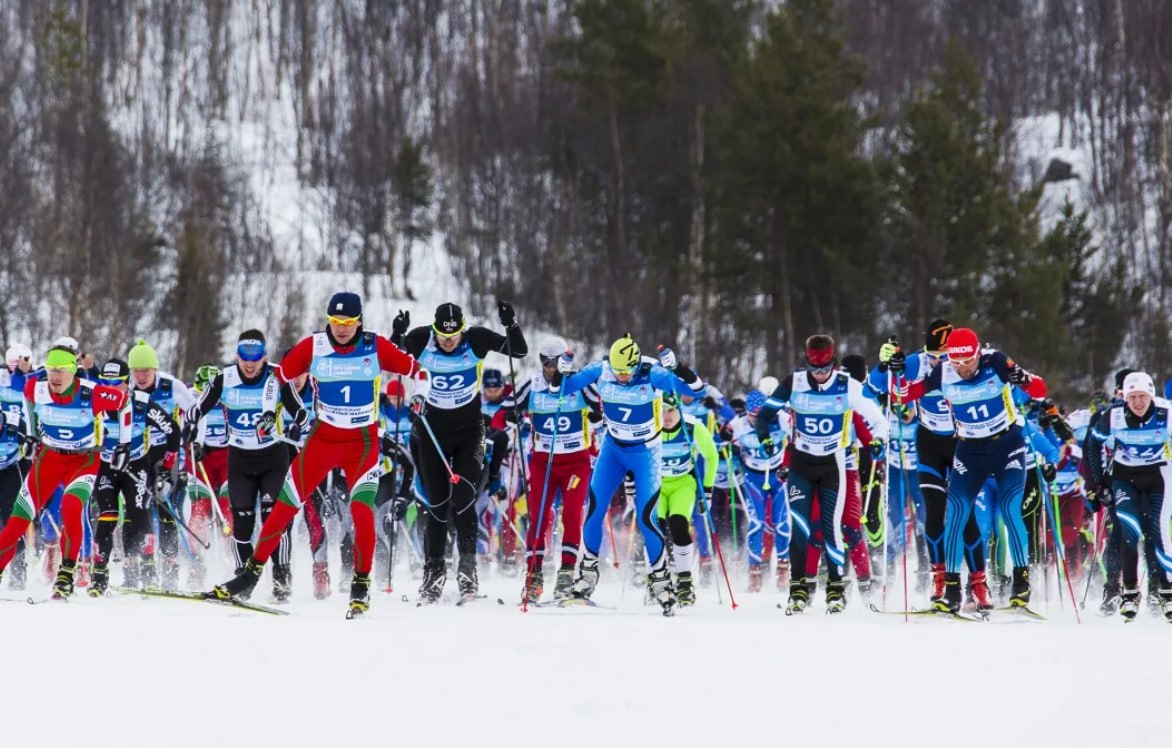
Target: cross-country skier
{"x": 630, "y": 389}
{"x": 976, "y": 384}
{"x": 18, "y": 360}
{"x": 63, "y": 414}
{"x": 448, "y": 437}
{"x": 346, "y": 363}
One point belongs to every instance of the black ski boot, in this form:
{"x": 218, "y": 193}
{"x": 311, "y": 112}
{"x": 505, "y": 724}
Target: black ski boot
{"x": 99, "y": 581}
{"x": 63, "y": 584}
{"x": 466, "y": 579}
{"x": 359, "y": 595}
{"x": 835, "y": 597}
{"x": 685, "y": 591}
{"x": 1129, "y": 604}
{"x": 241, "y": 585}
{"x": 799, "y": 597}
{"x": 435, "y": 574}
{"x": 950, "y": 602}
{"x": 1021, "y": 588}
{"x": 282, "y": 583}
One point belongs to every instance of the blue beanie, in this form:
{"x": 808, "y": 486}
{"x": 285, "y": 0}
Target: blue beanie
{"x": 345, "y": 304}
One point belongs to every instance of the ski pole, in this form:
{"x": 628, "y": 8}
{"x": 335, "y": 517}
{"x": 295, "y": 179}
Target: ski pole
{"x": 885, "y": 495}
{"x": 1099, "y": 521}
{"x": 903, "y": 491}
{"x": 1058, "y": 543}
{"x": 165, "y": 503}
{"x": 453, "y": 478}
{"x": 539, "y": 529}
{"x": 224, "y": 528}
{"x": 614, "y": 549}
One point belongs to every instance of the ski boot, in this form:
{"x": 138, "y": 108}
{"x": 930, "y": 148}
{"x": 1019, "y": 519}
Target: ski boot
{"x": 949, "y": 602}
{"x": 321, "y": 580}
{"x": 240, "y": 586}
{"x": 1129, "y": 604}
{"x": 1166, "y": 604}
{"x": 705, "y": 571}
{"x": 1111, "y": 600}
{"x": 587, "y": 578}
{"x": 1021, "y": 588}
{"x": 83, "y": 574}
{"x": 359, "y": 595}
{"x": 535, "y": 586}
{"x": 799, "y": 597}
{"x": 979, "y": 588}
{"x": 685, "y": 591}
{"x": 835, "y": 597}
{"x": 435, "y": 574}
{"x": 466, "y": 579}
{"x": 782, "y": 574}
{"x": 283, "y": 583}
{"x": 937, "y": 581}
{"x": 170, "y": 574}
{"x": 659, "y": 587}
{"x": 99, "y": 581}
{"x": 63, "y": 584}
{"x": 756, "y": 574}
{"x": 563, "y": 586}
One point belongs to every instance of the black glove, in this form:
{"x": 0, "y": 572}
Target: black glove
{"x": 197, "y": 452}
{"x": 897, "y": 364}
{"x": 266, "y": 425}
{"x": 1094, "y": 500}
{"x": 710, "y": 402}
{"x": 300, "y": 421}
{"x": 1018, "y": 375}
{"x": 120, "y": 459}
{"x": 190, "y": 430}
{"x": 402, "y": 323}
{"x": 876, "y": 447}
{"x": 1048, "y": 472}
{"x": 387, "y": 445}
{"x": 505, "y": 311}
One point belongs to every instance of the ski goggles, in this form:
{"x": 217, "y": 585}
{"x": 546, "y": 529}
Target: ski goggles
{"x": 250, "y": 350}
{"x": 112, "y": 381}
{"x": 820, "y": 370}
{"x": 343, "y": 321}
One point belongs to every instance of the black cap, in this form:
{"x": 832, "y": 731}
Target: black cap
{"x": 936, "y": 336}
{"x": 1120, "y": 376}
{"x": 856, "y": 366}
{"x": 252, "y": 336}
{"x": 492, "y": 378}
{"x": 449, "y": 319}
{"x": 344, "y": 304}
{"x": 115, "y": 368}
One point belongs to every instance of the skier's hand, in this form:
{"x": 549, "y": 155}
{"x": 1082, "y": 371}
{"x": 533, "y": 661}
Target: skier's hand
{"x": 705, "y": 501}
{"x": 506, "y": 313}
{"x": 897, "y": 364}
{"x": 495, "y": 486}
{"x": 566, "y": 362}
{"x": 421, "y": 391}
{"x": 169, "y": 460}
{"x": 1018, "y": 376}
{"x": 1093, "y": 502}
{"x": 190, "y": 424}
{"x": 667, "y": 358}
{"x": 887, "y": 350}
{"x": 387, "y": 445}
{"x": 876, "y": 447}
{"x": 300, "y": 422}
{"x": 1049, "y": 471}
{"x": 402, "y": 323}
{"x": 197, "y": 452}
{"x": 266, "y": 425}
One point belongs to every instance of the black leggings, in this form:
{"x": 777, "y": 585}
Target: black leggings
{"x": 256, "y": 475}
{"x": 446, "y": 501}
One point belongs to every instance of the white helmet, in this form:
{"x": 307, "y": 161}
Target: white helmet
{"x": 768, "y": 384}
{"x": 17, "y": 351}
{"x": 551, "y": 348}
{"x": 67, "y": 342}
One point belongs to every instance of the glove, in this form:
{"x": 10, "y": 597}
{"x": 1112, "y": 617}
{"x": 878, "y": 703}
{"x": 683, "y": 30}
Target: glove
{"x": 505, "y": 312}
{"x": 710, "y": 402}
{"x": 887, "y": 350}
{"x": 12, "y": 424}
{"x": 667, "y": 359}
{"x": 495, "y": 486}
{"x": 1093, "y": 501}
{"x": 266, "y": 425}
{"x": 401, "y": 323}
{"x": 566, "y": 362}
{"x": 387, "y": 446}
{"x": 783, "y": 473}
{"x": 705, "y": 502}
{"x": 421, "y": 391}
{"x": 876, "y": 447}
{"x": 897, "y": 363}
{"x": 300, "y": 421}
{"x": 197, "y": 452}
{"x": 191, "y": 424}
{"x": 168, "y": 460}
{"x": 1048, "y": 472}
{"x": 1018, "y": 376}
{"x": 120, "y": 459}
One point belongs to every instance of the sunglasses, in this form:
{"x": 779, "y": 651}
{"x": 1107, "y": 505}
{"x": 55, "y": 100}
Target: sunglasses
{"x": 443, "y": 334}
{"x": 112, "y": 381}
{"x": 821, "y": 369}
{"x": 343, "y": 321}
{"x": 250, "y": 351}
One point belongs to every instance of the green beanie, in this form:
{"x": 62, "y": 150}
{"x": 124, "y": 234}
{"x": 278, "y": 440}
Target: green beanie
{"x": 142, "y": 356}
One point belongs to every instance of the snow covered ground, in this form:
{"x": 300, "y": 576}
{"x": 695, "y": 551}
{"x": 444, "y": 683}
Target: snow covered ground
{"x": 128, "y": 671}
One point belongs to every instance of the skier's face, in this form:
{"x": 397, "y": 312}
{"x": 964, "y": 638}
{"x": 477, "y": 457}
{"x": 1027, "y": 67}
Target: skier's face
{"x": 494, "y": 394}
{"x": 671, "y": 418}
{"x": 965, "y": 368}
{"x": 60, "y": 378}
{"x": 1138, "y": 402}
{"x": 300, "y": 380}
{"x": 447, "y": 344}
{"x": 343, "y": 333}
{"x": 144, "y": 379}
{"x": 250, "y": 368}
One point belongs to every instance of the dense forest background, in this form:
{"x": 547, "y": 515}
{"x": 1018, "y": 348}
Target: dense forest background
{"x": 727, "y": 175}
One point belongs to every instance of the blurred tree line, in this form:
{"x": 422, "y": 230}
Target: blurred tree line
{"x": 729, "y": 176}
